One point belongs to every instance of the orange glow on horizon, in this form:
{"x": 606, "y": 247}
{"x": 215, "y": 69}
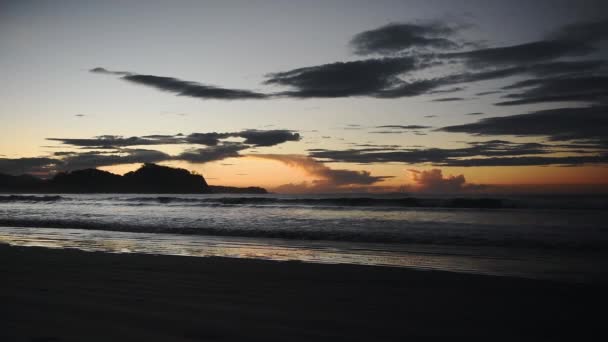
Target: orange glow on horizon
{"x": 254, "y": 171}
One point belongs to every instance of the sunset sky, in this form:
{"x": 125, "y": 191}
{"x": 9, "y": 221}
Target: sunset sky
{"x": 311, "y": 96}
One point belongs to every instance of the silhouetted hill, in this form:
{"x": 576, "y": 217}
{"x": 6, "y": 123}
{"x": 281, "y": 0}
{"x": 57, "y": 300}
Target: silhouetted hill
{"x": 150, "y": 178}
{"x": 88, "y": 180}
{"x": 154, "y": 178}
{"x": 21, "y": 183}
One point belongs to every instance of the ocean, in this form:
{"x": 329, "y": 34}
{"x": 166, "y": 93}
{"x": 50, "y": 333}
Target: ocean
{"x": 557, "y": 237}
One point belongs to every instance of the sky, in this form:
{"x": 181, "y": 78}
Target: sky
{"x": 314, "y": 96}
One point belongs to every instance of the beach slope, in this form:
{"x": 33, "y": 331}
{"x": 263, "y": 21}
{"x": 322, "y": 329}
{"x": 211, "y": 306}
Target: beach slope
{"x": 69, "y": 295}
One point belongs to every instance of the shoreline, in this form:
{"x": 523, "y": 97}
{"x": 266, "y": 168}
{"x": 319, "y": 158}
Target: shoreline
{"x": 572, "y": 266}
{"x": 72, "y": 295}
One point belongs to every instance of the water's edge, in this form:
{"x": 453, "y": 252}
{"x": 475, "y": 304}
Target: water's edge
{"x": 525, "y": 263}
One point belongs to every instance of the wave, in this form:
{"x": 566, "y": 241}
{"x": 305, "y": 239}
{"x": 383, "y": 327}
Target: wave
{"x": 531, "y": 202}
{"x": 375, "y": 202}
{"x": 408, "y": 202}
{"x": 410, "y": 236}
{"x": 30, "y": 198}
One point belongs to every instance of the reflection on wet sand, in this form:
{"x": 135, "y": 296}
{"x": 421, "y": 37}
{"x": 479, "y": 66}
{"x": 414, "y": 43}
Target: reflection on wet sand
{"x": 467, "y": 260}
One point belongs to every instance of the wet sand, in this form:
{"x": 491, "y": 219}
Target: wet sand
{"x": 68, "y": 295}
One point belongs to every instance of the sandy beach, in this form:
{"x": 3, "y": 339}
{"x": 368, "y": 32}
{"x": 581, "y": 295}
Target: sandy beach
{"x": 70, "y": 295}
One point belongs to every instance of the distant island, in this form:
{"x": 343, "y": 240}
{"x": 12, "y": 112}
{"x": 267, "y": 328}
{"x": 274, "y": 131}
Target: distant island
{"x": 150, "y": 178}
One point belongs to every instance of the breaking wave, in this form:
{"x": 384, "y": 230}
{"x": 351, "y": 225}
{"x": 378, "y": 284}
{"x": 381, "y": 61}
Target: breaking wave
{"x": 377, "y": 202}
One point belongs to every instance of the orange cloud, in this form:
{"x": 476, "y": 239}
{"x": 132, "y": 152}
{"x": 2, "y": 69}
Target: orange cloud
{"x": 434, "y": 181}
{"x": 328, "y": 179}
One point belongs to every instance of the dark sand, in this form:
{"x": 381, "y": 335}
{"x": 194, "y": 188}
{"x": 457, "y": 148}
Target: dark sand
{"x": 67, "y": 295}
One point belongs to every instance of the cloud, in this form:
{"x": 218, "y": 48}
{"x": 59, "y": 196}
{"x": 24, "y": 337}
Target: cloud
{"x": 449, "y": 99}
{"x": 396, "y": 37}
{"x": 368, "y": 77}
{"x": 566, "y": 67}
{"x": 590, "y": 31}
{"x": 328, "y": 178}
{"x": 115, "y": 141}
{"x": 20, "y": 166}
{"x": 387, "y": 132}
{"x": 93, "y": 159}
{"x": 540, "y": 58}
{"x": 384, "y": 77}
{"x": 444, "y": 91}
{"x": 77, "y": 160}
{"x": 561, "y": 124}
{"x": 533, "y": 52}
{"x": 434, "y": 181}
{"x": 109, "y": 150}
{"x": 209, "y": 139}
{"x": 404, "y": 126}
{"x": 212, "y": 153}
{"x": 269, "y": 137}
{"x": 412, "y": 48}
{"x": 529, "y": 161}
{"x": 561, "y": 89}
{"x": 488, "y": 92}
{"x": 100, "y": 70}
{"x": 429, "y": 155}
{"x": 475, "y": 113}
{"x": 482, "y": 153}
{"x": 572, "y": 40}
{"x": 251, "y": 136}
{"x": 398, "y": 129}
{"x": 184, "y": 88}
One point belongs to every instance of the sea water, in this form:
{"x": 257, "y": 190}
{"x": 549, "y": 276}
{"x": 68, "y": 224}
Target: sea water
{"x": 558, "y": 237}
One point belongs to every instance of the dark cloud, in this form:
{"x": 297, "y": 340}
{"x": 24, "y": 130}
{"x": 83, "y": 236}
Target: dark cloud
{"x": 404, "y": 126}
{"x": 109, "y": 150}
{"x": 488, "y": 92}
{"x": 184, "y": 88}
{"x": 449, "y": 99}
{"x": 209, "y": 139}
{"x": 412, "y": 88}
{"x": 253, "y": 137}
{"x": 396, "y": 76}
{"x": 484, "y": 153}
{"x": 358, "y": 78}
{"x": 383, "y": 78}
{"x": 576, "y": 39}
{"x": 591, "y": 31}
{"x": 444, "y": 91}
{"x": 115, "y": 141}
{"x": 529, "y": 161}
{"x": 20, "y": 166}
{"x": 475, "y": 113}
{"x": 93, "y": 159}
{"x": 387, "y": 132}
{"x": 430, "y": 155}
{"x": 269, "y": 137}
{"x": 584, "y": 123}
{"x": 397, "y": 37}
{"x": 192, "y": 89}
{"x": 566, "y": 67}
{"x": 212, "y": 153}
{"x": 533, "y": 52}
{"x": 560, "y": 89}
{"x": 100, "y": 70}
